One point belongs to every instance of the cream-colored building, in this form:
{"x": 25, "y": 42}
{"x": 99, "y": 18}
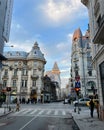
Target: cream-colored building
{"x": 23, "y": 73}
{"x": 96, "y": 21}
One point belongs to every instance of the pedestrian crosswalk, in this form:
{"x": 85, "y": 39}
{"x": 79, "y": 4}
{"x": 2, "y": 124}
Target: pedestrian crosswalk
{"x": 43, "y": 112}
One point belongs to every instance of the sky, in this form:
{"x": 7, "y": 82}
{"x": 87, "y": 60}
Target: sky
{"x": 51, "y": 23}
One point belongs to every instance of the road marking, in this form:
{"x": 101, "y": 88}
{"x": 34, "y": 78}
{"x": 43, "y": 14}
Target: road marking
{"x": 28, "y": 123}
{"x": 34, "y": 112}
{"x": 56, "y": 112}
{"x": 63, "y": 113}
{"x": 48, "y": 112}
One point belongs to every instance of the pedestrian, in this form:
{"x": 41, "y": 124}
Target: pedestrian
{"x": 97, "y": 108}
{"x": 17, "y": 106}
{"x": 91, "y": 107}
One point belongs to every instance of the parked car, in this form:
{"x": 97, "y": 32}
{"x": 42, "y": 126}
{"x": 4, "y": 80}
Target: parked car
{"x": 81, "y": 101}
{"x": 95, "y": 102}
{"x": 66, "y": 101}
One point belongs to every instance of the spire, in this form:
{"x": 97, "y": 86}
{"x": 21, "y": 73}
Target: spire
{"x": 55, "y": 68}
{"x": 77, "y": 34}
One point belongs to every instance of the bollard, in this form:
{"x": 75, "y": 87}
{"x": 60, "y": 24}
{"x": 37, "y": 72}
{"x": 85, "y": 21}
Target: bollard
{"x": 9, "y": 108}
{"x": 74, "y": 109}
{"x": 4, "y": 110}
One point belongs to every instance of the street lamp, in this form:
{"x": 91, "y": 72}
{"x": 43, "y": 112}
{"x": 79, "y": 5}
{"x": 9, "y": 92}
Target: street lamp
{"x": 9, "y": 46}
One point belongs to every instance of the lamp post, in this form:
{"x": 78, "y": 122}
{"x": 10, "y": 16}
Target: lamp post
{"x": 9, "y": 46}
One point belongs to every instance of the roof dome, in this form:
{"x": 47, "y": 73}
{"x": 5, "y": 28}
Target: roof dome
{"x": 77, "y": 34}
{"x": 35, "y": 53}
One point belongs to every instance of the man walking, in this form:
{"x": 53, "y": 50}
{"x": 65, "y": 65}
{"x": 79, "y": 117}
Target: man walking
{"x": 91, "y": 107}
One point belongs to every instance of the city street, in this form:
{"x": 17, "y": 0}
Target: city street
{"x": 50, "y": 116}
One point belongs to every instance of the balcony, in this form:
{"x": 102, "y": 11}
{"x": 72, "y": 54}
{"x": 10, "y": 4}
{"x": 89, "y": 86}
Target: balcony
{"x": 35, "y": 77}
{"x": 14, "y": 77}
{"x": 99, "y": 34}
{"x": 5, "y": 77}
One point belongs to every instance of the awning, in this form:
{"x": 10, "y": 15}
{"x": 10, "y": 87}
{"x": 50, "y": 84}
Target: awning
{"x": 13, "y": 93}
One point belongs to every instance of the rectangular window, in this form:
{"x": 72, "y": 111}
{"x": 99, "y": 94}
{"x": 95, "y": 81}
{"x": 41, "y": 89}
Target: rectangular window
{"x": 34, "y": 71}
{"x": 34, "y": 83}
{"x": 24, "y": 72}
{"x": 4, "y": 83}
{"x": 14, "y": 83}
{"x": 15, "y": 72}
{"x": 6, "y": 72}
{"x": 24, "y": 83}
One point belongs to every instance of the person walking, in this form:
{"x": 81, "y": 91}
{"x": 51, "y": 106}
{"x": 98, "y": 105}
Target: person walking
{"x": 97, "y": 108}
{"x": 91, "y": 107}
{"x": 17, "y": 106}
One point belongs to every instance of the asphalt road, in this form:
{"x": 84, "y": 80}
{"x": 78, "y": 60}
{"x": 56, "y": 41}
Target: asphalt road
{"x": 51, "y": 116}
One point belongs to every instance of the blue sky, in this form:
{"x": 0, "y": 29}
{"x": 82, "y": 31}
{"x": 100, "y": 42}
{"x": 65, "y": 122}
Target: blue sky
{"x": 51, "y": 23}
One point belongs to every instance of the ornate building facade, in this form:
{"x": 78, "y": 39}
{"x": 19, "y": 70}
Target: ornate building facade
{"x": 54, "y": 75}
{"x": 82, "y": 72}
{"x": 96, "y": 21}
{"x": 23, "y": 73}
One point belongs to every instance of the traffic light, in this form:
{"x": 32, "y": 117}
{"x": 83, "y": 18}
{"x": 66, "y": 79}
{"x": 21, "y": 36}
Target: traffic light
{"x": 77, "y": 91}
{"x": 8, "y": 89}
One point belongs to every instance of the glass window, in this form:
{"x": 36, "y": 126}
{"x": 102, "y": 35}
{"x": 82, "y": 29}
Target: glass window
{"x": 5, "y": 83}
{"x": 15, "y": 72}
{"x": 14, "y": 83}
{"x": 6, "y": 72}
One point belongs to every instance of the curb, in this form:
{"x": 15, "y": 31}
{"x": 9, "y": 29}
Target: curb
{"x": 3, "y": 115}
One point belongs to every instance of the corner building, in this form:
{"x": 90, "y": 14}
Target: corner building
{"x": 96, "y": 21}
{"x": 23, "y": 73}
{"x": 81, "y": 64}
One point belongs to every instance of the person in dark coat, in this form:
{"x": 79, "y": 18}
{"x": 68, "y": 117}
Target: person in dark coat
{"x": 91, "y": 107}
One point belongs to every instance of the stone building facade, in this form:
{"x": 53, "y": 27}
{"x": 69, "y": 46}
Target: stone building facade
{"x": 82, "y": 72}
{"x": 23, "y": 73}
{"x": 96, "y": 21}
{"x": 54, "y": 75}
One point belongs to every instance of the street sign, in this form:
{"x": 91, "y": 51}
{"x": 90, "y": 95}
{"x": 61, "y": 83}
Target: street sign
{"x": 77, "y": 78}
{"x": 77, "y": 84}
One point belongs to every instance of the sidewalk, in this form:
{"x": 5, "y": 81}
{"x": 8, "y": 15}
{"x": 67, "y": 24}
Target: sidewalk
{"x": 5, "y": 111}
{"x": 85, "y": 122}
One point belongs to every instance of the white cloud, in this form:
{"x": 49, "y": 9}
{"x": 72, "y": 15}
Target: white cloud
{"x": 59, "y": 11}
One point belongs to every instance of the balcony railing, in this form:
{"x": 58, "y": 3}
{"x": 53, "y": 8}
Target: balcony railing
{"x": 15, "y": 77}
{"x": 34, "y": 76}
{"x": 5, "y": 77}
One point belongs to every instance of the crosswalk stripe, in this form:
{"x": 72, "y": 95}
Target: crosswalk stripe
{"x": 41, "y": 112}
{"x": 33, "y": 112}
{"x": 56, "y": 112}
{"x": 48, "y": 112}
{"x": 63, "y": 113}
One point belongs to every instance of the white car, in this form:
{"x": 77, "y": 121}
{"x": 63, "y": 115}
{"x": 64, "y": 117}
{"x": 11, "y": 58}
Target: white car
{"x": 66, "y": 101}
{"x": 81, "y": 101}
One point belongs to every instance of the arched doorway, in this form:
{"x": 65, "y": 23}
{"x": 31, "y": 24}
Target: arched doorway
{"x": 33, "y": 96}
{"x": 91, "y": 88}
